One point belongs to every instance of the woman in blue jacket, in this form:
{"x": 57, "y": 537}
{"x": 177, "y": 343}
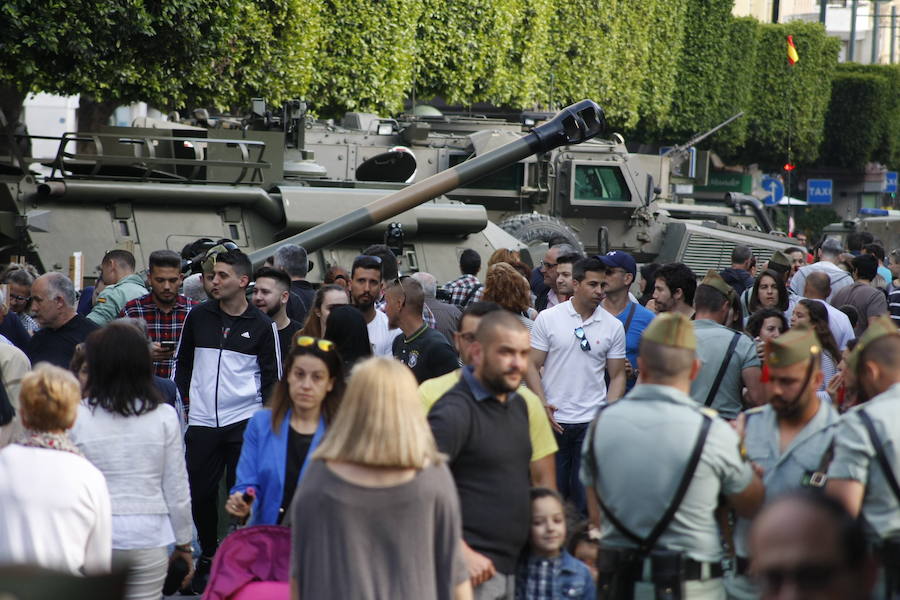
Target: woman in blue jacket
{"x": 280, "y": 439}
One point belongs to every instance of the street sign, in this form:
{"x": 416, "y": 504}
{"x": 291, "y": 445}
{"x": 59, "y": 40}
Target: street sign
{"x": 774, "y": 190}
{"x": 819, "y": 191}
{"x": 890, "y": 182}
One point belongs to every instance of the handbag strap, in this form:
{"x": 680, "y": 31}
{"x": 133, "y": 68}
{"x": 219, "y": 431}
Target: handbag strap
{"x": 633, "y": 307}
{"x": 710, "y": 398}
{"x": 646, "y": 544}
{"x": 880, "y": 455}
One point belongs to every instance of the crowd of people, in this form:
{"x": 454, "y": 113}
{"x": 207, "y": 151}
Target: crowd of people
{"x": 584, "y": 428}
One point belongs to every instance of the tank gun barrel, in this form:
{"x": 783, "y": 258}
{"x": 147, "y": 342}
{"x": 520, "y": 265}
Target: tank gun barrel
{"x": 573, "y": 125}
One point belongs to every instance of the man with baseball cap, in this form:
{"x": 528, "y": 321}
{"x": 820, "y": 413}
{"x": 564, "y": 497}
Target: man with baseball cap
{"x": 866, "y": 465}
{"x": 728, "y": 359}
{"x": 788, "y": 438}
{"x": 621, "y": 271}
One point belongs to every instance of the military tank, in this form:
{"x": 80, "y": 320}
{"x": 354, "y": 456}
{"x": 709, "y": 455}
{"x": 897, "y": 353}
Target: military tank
{"x": 145, "y": 188}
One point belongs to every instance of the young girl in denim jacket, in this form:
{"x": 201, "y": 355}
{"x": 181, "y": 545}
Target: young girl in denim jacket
{"x": 548, "y": 570}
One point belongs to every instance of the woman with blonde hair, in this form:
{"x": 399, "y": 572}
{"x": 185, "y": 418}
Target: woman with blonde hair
{"x": 506, "y": 286}
{"x": 378, "y": 498}
{"x": 56, "y": 506}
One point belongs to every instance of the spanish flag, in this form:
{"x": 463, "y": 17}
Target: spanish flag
{"x": 793, "y": 57}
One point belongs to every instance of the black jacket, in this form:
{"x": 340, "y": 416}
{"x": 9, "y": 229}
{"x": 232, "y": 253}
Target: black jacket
{"x": 226, "y": 373}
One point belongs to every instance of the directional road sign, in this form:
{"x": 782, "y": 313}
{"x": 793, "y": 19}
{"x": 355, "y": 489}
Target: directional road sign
{"x": 890, "y": 182}
{"x": 819, "y": 191}
{"x": 774, "y": 190}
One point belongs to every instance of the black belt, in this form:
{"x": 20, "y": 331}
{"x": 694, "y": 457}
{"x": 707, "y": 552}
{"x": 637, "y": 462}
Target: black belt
{"x": 693, "y": 570}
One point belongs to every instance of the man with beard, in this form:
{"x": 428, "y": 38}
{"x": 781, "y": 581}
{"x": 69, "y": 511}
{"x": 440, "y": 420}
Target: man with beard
{"x": 788, "y": 439}
{"x": 365, "y": 290}
{"x": 543, "y": 444}
{"x": 271, "y": 294}
{"x": 482, "y": 426}
{"x": 163, "y": 309}
{"x": 674, "y": 289}
{"x": 424, "y": 350}
{"x": 866, "y": 465}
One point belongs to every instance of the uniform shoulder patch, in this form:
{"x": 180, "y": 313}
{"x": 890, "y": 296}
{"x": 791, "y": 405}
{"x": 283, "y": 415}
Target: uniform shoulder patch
{"x": 101, "y": 299}
{"x": 709, "y": 412}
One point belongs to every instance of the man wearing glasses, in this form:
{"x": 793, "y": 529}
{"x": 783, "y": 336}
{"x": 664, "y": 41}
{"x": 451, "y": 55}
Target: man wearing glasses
{"x": 548, "y": 295}
{"x": 577, "y": 343}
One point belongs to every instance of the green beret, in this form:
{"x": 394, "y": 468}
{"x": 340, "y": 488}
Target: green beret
{"x": 209, "y": 262}
{"x": 779, "y": 261}
{"x": 797, "y": 345}
{"x": 714, "y": 280}
{"x": 671, "y": 329}
{"x": 878, "y": 328}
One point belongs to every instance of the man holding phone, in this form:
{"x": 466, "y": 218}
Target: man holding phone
{"x": 164, "y": 309}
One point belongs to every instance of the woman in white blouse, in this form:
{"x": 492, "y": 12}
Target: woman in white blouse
{"x": 134, "y": 438}
{"x": 54, "y": 505}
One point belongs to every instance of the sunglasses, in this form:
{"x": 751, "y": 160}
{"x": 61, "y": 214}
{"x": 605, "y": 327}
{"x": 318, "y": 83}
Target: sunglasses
{"x": 305, "y": 341}
{"x": 585, "y": 344}
{"x": 19, "y": 298}
{"x": 548, "y": 265}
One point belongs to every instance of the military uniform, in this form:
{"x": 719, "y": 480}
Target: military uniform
{"x": 855, "y": 455}
{"x": 635, "y": 459}
{"x": 801, "y": 464}
{"x": 715, "y": 344}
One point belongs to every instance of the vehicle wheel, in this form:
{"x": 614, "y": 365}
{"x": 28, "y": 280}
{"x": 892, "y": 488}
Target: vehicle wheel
{"x": 533, "y": 228}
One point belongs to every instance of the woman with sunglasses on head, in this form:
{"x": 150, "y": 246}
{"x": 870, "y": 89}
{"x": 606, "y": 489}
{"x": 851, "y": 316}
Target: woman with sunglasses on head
{"x": 280, "y": 439}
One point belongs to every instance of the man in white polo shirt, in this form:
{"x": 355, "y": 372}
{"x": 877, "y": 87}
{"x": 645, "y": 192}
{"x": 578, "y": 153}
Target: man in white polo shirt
{"x": 577, "y": 342}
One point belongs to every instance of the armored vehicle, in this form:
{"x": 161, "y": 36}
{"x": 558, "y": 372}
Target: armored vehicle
{"x": 148, "y": 188}
{"x": 883, "y": 224}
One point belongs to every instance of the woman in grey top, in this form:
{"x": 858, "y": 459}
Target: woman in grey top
{"x": 134, "y": 438}
{"x": 377, "y": 514}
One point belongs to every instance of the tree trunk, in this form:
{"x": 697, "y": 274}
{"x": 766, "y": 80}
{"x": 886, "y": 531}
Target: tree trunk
{"x": 11, "y": 100}
{"x": 91, "y": 116}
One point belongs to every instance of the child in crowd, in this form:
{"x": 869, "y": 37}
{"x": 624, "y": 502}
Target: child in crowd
{"x": 548, "y": 570}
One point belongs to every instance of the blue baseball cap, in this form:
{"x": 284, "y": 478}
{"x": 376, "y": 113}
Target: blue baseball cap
{"x": 619, "y": 259}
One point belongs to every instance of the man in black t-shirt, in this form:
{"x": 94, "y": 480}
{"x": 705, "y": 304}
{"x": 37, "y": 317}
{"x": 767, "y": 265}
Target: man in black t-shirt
{"x": 53, "y": 302}
{"x": 481, "y": 424}
{"x": 271, "y": 292}
{"x": 424, "y": 350}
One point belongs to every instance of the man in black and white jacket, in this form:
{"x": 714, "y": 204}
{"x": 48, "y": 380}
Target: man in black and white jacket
{"x": 227, "y": 361}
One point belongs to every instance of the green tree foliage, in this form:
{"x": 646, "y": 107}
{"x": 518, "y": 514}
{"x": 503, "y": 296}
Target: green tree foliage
{"x": 788, "y": 103}
{"x": 216, "y": 52}
{"x": 863, "y": 121}
{"x": 366, "y": 61}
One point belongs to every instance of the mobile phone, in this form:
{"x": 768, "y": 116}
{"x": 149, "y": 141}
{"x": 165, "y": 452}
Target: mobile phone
{"x": 168, "y": 345}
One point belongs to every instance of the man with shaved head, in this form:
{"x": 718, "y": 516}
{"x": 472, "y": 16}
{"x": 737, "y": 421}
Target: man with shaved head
{"x": 805, "y": 545}
{"x": 482, "y": 426}
{"x": 423, "y": 349}
{"x": 818, "y": 287}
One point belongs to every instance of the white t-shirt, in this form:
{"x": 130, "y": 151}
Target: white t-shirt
{"x": 380, "y": 336}
{"x": 573, "y": 378}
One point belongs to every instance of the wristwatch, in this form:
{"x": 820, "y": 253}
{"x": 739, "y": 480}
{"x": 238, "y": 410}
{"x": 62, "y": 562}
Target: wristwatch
{"x": 184, "y": 548}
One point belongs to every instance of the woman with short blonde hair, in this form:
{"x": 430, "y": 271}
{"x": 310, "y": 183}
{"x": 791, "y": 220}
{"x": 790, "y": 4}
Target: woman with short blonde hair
{"x": 378, "y": 484}
{"x": 56, "y": 506}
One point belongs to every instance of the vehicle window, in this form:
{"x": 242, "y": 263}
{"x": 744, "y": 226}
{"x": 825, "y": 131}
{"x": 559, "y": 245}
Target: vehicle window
{"x": 600, "y": 182}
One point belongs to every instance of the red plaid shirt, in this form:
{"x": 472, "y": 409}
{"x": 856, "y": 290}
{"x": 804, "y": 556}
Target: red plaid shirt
{"x": 161, "y": 326}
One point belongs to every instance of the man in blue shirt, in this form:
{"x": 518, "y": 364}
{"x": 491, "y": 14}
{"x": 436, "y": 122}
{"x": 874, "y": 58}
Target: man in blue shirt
{"x": 621, "y": 271}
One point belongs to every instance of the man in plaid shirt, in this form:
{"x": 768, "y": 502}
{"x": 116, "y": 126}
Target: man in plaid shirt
{"x": 464, "y": 289}
{"x": 164, "y": 309}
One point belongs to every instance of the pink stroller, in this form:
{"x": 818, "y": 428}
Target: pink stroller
{"x": 252, "y": 563}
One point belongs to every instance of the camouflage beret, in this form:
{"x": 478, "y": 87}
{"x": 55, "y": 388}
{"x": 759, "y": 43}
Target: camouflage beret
{"x": 797, "y": 345}
{"x": 671, "y": 329}
{"x": 714, "y": 280}
{"x": 209, "y": 262}
{"x": 879, "y": 327}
